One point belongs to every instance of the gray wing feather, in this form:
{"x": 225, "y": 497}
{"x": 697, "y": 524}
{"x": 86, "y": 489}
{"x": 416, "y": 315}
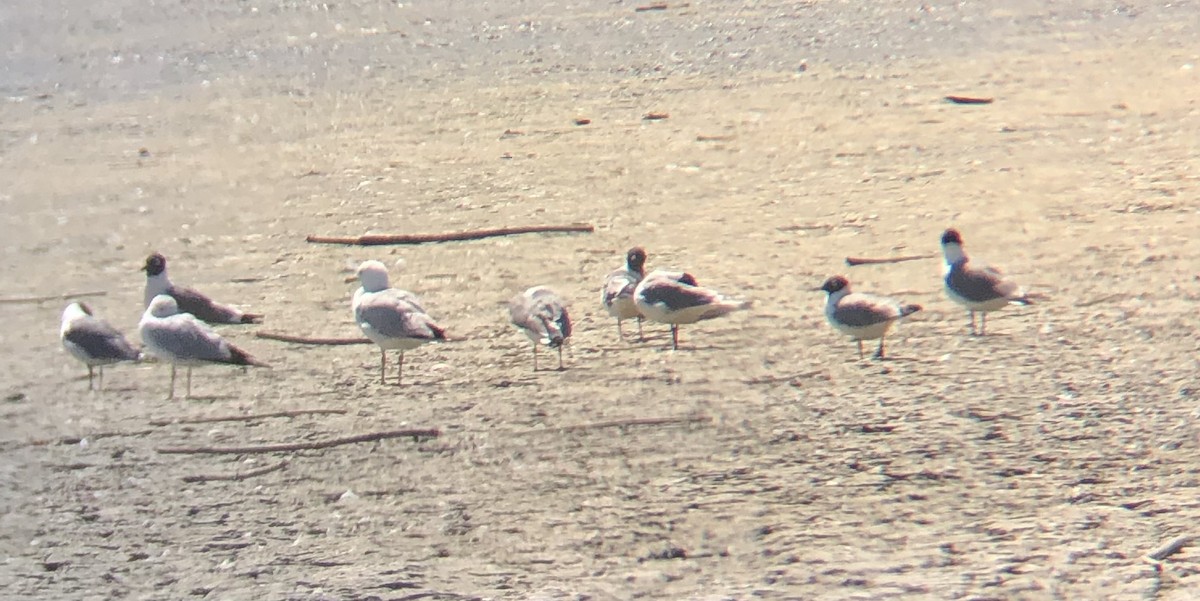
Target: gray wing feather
{"x": 619, "y": 284}
{"x": 861, "y": 310}
{"x": 203, "y": 307}
{"x": 188, "y": 339}
{"x": 543, "y": 314}
{"x": 393, "y": 313}
{"x": 100, "y": 340}
{"x": 676, "y": 295}
{"x": 980, "y": 285}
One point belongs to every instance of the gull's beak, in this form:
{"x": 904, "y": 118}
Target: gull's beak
{"x": 351, "y": 279}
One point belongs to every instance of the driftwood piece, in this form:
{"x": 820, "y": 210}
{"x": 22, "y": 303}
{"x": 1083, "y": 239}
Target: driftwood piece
{"x": 650, "y": 7}
{"x": 624, "y": 423}
{"x": 244, "y": 418}
{"x": 301, "y": 446}
{"x": 306, "y": 340}
{"x": 381, "y": 239}
{"x": 968, "y": 100}
{"x": 852, "y": 261}
{"x": 1174, "y": 546}
{"x": 236, "y": 476}
{"x": 75, "y": 439}
{"x": 18, "y": 300}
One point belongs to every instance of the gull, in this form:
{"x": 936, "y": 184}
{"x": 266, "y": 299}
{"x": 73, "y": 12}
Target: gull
{"x": 617, "y": 295}
{"x": 180, "y": 339}
{"x": 540, "y": 313}
{"x": 978, "y": 288}
{"x": 862, "y": 316}
{"x": 393, "y": 319}
{"x": 94, "y": 342}
{"x": 189, "y": 300}
{"x": 675, "y": 298}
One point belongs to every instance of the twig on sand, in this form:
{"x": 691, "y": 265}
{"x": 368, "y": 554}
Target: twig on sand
{"x": 245, "y": 418}
{"x": 968, "y": 100}
{"x": 53, "y": 297}
{"x": 302, "y": 446}
{"x": 236, "y": 476}
{"x": 852, "y": 261}
{"x": 75, "y": 439}
{"x": 650, "y": 7}
{"x": 380, "y": 239}
{"x": 1174, "y": 546}
{"x": 624, "y": 423}
{"x": 306, "y": 340}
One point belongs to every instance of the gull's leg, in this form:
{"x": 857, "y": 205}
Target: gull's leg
{"x": 860, "y": 350}
{"x": 382, "y": 366}
{"x": 972, "y": 323}
{"x": 90, "y": 378}
{"x": 674, "y": 337}
{"x": 171, "y": 394}
{"x": 189, "y": 383}
{"x": 641, "y": 338}
{"x": 400, "y": 378}
{"x": 100, "y": 372}
{"x": 879, "y": 353}
{"x": 620, "y": 332}
{"x": 983, "y": 326}
{"x": 535, "y": 357}
{"x": 560, "y": 357}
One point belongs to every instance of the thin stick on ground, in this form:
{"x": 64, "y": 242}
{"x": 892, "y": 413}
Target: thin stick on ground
{"x": 74, "y": 439}
{"x": 302, "y": 446}
{"x": 306, "y": 340}
{"x": 1174, "y": 546}
{"x": 852, "y": 261}
{"x": 237, "y": 476}
{"x": 246, "y": 418}
{"x": 42, "y": 299}
{"x": 381, "y": 239}
{"x": 624, "y": 423}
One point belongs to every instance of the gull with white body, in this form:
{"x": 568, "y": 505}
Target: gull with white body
{"x": 675, "y": 298}
{"x": 979, "y": 288}
{"x": 391, "y": 318}
{"x": 93, "y": 341}
{"x": 180, "y": 339}
{"x": 862, "y": 316}
{"x": 617, "y": 295}
{"x": 188, "y": 300}
{"x": 542, "y": 316}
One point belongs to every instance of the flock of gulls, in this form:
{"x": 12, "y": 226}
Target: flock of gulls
{"x": 176, "y": 327}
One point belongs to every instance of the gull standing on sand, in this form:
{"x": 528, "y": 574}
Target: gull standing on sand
{"x": 862, "y": 316}
{"x": 181, "y": 339}
{"x": 540, "y": 313}
{"x": 675, "y": 298}
{"x": 94, "y": 342}
{"x": 978, "y": 288}
{"x": 393, "y": 319}
{"x": 617, "y": 294}
{"x": 189, "y": 300}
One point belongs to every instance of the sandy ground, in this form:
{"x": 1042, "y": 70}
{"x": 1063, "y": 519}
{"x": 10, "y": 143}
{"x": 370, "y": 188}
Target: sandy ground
{"x": 1043, "y": 461}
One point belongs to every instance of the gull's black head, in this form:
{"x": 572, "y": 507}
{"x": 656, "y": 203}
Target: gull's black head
{"x": 834, "y": 284}
{"x": 155, "y": 264}
{"x": 951, "y": 236}
{"x": 636, "y": 259}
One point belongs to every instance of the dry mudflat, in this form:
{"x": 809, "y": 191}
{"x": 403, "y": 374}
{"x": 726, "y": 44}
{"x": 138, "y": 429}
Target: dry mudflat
{"x": 1043, "y": 461}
